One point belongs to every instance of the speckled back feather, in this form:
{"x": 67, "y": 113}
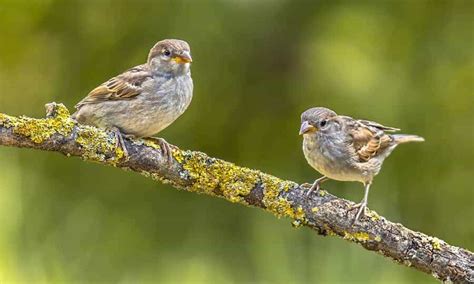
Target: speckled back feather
{"x": 124, "y": 86}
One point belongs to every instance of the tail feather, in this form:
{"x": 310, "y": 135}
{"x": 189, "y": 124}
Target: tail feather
{"x": 405, "y": 138}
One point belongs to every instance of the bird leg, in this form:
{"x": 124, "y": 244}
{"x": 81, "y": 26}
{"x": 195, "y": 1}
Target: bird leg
{"x": 119, "y": 140}
{"x": 166, "y": 148}
{"x": 363, "y": 204}
{"x": 316, "y": 185}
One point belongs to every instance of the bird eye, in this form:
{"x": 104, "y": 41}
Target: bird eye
{"x": 166, "y": 52}
{"x": 323, "y": 123}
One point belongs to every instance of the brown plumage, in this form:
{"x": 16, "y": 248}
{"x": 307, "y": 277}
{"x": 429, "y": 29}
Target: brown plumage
{"x": 170, "y": 45}
{"x": 123, "y": 86}
{"x": 368, "y": 137}
{"x": 347, "y": 149}
{"x": 145, "y": 99}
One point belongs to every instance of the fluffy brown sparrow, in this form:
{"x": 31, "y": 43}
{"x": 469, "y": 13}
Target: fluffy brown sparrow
{"x": 145, "y": 99}
{"x": 347, "y": 149}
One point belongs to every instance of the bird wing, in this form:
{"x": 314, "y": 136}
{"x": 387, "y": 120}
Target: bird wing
{"x": 368, "y": 138}
{"x": 378, "y": 125}
{"x": 124, "y": 86}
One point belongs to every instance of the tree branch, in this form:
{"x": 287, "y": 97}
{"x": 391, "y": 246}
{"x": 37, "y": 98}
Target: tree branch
{"x": 197, "y": 172}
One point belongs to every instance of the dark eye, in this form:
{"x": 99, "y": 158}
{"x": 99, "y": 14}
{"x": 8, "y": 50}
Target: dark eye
{"x": 323, "y": 123}
{"x": 166, "y": 52}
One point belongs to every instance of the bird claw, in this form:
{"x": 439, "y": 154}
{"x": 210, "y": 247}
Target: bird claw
{"x": 166, "y": 148}
{"x": 119, "y": 143}
{"x": 362, "y": 206}
{"x": 315, "y": 187}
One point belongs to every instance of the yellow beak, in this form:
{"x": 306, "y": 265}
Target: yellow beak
{"x": 183, "y": 58}
{"x": 307, "y": 128}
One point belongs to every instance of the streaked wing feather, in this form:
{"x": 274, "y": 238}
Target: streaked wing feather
{"x": 124, "y": 86}
{"x": 368, "y": 138}
{"x": 378, "y": 125}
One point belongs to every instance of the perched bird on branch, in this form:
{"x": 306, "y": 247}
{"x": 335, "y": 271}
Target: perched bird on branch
{"x": 145, "y": 99}
{"x": 346, "y": 149}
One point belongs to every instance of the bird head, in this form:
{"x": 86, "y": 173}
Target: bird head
{"x": 316, "y": 119}
{"x": 170, "y": 56}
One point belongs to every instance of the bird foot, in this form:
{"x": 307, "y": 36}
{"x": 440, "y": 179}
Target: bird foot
{"x": 119, "y": 143}
{"x": 166, "y": 148}
{"x": 314, "y": 187}
{"x": 362, "y": 206}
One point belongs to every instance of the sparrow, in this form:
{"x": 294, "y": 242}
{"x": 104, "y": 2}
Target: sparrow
{"x": 346, "y": 149}
{"x": 146, "y": 98}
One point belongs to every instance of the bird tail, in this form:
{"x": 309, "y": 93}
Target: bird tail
{"x": 405, "y": 138}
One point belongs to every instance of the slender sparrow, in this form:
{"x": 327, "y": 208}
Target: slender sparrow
{"x": 347, "y": 149}
{"x": 145, "y": 99}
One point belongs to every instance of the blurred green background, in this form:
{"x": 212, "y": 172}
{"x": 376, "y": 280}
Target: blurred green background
{"x": 257, "y": 66}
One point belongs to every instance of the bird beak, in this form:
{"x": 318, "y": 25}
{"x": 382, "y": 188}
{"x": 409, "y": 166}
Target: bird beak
{"x": 307, "y": 128}
{"x": 183, "y": 58}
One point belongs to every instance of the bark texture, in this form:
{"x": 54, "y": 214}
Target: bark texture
{"x": 197, "y": 172}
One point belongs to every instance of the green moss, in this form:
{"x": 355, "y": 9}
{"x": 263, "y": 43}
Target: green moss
{"x": 39, "y": 130}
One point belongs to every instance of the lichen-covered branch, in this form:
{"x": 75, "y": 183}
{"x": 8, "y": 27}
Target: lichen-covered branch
{"x": 197, "y": 172}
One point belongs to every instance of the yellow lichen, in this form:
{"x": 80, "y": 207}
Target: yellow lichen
{"x": 296, "y": 223}
{"x": 145, "y": 173}
{"x": 272, "y": 200}
{"x": 213, "y": 176}
{"x": 373, "y": 215}
{"x": 314, "y": 209}
{"x": 436, "y": 243}
{"x": 150, "y": 143}
{"x": 298, "y": 215}
{"x": 38, "y": 130}
{"x": 178, "y": 155}
{"x": 357, "y": 236}
{"x": 98, "y": 145}
{"x": 3, "y": 118}
{"x": 61, "y": 112}
{"x": 328, "y": 230}
{"x": 210, "y": 175}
